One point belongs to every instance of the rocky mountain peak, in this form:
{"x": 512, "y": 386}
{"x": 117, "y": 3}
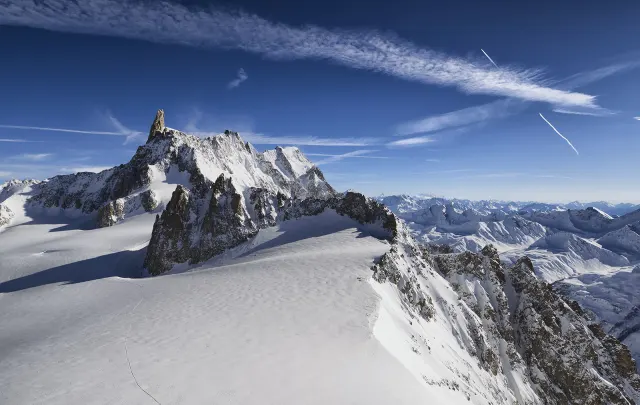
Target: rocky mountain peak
{"x": 157, "y": 125}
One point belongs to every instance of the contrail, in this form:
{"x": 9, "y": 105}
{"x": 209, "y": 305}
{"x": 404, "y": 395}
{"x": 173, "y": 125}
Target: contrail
{"x": 488, "y": 57}
{"x": 75, "y": 131}
{"x": 558, "y": 132}
{"x": 16, "y": 140}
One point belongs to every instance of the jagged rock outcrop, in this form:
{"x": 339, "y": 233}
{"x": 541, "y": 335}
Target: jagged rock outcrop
{"x": 5, "y": 215}
{"x": 157, "y": 125}
{"x": 220, "y": 218}
{"x": 190, "y": 231}
{"x": 171, "y": 156}
{"x": 567, "y": 358}
{"x": 88, "y": 192}
{"x": 149, "y": 200}
{"x": 110, "y": 213}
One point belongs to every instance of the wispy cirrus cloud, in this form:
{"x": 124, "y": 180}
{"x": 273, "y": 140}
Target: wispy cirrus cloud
{"x": 165, "y": 22}
{"x": 121, "y": 130}
{"x": 459, "y": 118}
{"x": 408, "y": 142}
{"x": 353, "y": 156}
{"x": 591, "y": 112}
{"x": 636, "y": 118}
{"x": 17, "y": 140}
{"x": 33, "y": 156}
{"x": 508, "y": 107}
{"x": 74, "y": 131}
{"x": 242, "y": 76}
{"x": 130, "y": 135}
{"x": 337, "y": 158}
{"x": 261, "y": 139}
{"x": 505, "y": 175}
{"x": 91, "y": 169}
{"x": 584, "y": 78}
{"x": 300, "y": 140}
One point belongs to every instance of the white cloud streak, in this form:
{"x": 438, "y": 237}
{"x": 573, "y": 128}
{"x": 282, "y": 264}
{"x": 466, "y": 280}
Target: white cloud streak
{"x": 33, "y": 156}
{"x": 466, "y": 116}
{"x": 74, "y": 131}
{"x": 355, "y": 156}
{"x": 636, "y": 118}
{"x": 337, "y": 158}
{"x": 408, "y": 142}
{"x": 591, "y": 76}
{"x": 489, "y": 57}
{"x": 261, "y": 139}
{"x": 5, "y": 174}
{"x": 129, "y": 134}
{"x": 242, "y": 76}
{"x": 558, "y": 132}
{"x": 91, "y": 169}
{"x": 164, "y": 22}
{"x": 508, "y": 107}
{"x": 597, "y": 112}
{"x": 506, "y": 175}
{"x": 18, "y": 140}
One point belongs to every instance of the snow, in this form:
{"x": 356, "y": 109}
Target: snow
{"x": 290, "y": 320}
{"x": 289, "y": 161}
{"x": 586, "y": 252}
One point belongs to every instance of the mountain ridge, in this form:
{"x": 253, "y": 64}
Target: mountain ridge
{"x": 228, "y": 232}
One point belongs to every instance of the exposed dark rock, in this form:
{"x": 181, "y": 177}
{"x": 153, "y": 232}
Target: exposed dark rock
{"x": 157, "y": 125}
{"x": 109, "y": 214}
{"x": 169, "y": 242}
{"x": 149, "y": 200}
{"x": 5, "y": 215}
{"x": 230, "y": 220}
{"x": 554, "y": 339}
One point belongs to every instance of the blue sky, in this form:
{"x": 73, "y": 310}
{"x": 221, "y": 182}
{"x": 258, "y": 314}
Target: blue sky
{"x": 387, "y": 97}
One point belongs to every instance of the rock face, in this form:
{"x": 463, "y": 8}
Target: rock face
{"x": 189, "y": 231}
{"x": 567, "y": 358}
{"x": 110, "y": 213}
{"x": 193, "y": 162}
{"x": 157, "y": 125}
{"x": 5, "y": 215}
{"x": 195, "y": 227}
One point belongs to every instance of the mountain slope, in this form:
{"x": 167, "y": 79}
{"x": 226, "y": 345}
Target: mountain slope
{"x": 584, "y": 252}
{"x": 270, "y": 288}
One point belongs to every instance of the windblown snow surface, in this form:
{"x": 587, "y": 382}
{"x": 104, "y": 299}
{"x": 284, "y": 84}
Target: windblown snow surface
{"x": 289, "y": 317}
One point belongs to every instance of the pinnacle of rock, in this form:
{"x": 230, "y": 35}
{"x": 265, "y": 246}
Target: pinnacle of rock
{"x": 157, "y": 126}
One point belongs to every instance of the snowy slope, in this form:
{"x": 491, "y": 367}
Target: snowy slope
{"x": 586, "y": 249}
{"x": 288, "y": 322}
{"x": 272, "y": 288}
{"x": 293, "y": 307}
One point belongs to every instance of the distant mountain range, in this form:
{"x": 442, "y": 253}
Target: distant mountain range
{"x": 590, "y": 254}
{"x": 407, "y": 203}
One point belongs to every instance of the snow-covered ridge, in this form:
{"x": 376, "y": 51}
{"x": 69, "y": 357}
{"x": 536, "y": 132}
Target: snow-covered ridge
{"x": 313, "y": 296}
{"x": 528, "y": 345}
{"x": 407, "y": 203}
{"x": 583, "y": 251}
{"x": 172, "y": 157}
